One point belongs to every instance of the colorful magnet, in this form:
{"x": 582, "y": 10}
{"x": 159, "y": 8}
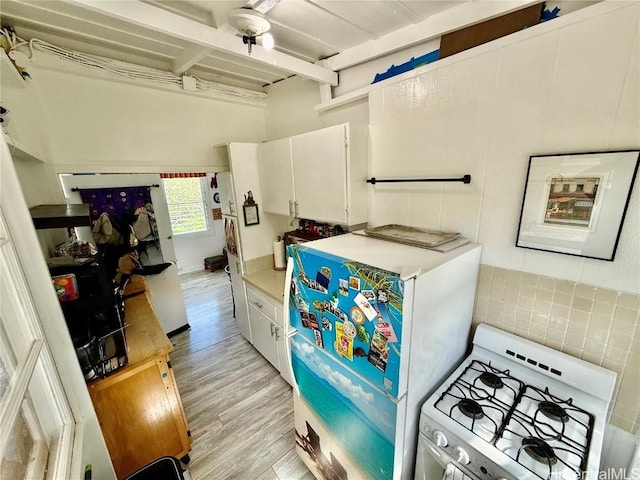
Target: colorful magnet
{"x": 313, "y": 320}
{"x": 343, "y": 345}
{"x": 326, "y": 324}
{"x": 369, "y": 295}
{"x": 343, "y": 287}
{"x": 363, "y": 335}
{"x": 383, "y": 296}
{"x": 365, "y": 306}
{"x": 387, "y": 330}
{"x": 349, "y": 329}
{"x": 318, "y": 336}
{"x": 354, "y": 283}
{"x": 357, "y": 316}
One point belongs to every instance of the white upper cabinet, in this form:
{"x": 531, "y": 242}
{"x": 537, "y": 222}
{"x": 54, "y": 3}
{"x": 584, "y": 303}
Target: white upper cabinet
{"x": 319, "y": 175}
{"x": 276, "y": 176}
{"x": 227, "y": 193}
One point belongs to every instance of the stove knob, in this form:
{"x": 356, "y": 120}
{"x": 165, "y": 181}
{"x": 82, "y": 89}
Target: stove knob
{"x": 440, "y": 439}
{"x": 461, "y": 455}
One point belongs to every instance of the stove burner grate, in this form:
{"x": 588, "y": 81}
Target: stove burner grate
{"x": 539, "y": 450}
{"x": 470, "y": 408}
{"x": 553, "y": 432}
{"x": 553, "y": 411}
{"x": 491, "y": 380}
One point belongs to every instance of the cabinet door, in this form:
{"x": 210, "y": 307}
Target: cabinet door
{"x": 227, "y": 195}
{"x": 320, "y": 174}
{"x": 239, "y": 297}
{"x": 276, "y": 176}
{"x": 264, "y": 331}
{"x": 141, "y": 415}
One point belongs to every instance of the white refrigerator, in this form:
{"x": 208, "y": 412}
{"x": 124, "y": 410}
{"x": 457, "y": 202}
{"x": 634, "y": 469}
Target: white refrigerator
{"x": 373, "y": 327}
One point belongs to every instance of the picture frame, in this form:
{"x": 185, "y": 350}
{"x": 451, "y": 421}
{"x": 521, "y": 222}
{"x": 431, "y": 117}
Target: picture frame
{"x": 575, "y": 203}
{"x": 251, "y": 215}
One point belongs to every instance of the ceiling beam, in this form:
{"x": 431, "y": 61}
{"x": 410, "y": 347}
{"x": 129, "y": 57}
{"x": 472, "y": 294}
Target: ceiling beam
{"x": 154, "y": 18}
{"x": 188, "y": 58}
{"x": 435, "y": 26}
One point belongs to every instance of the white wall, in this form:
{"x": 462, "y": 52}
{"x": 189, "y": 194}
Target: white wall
{"x": 571, "y": 85}
{"x": 77, "y": 120}
{"x": 97, "y": 124}
{"x": 291, "y": 112}
{"x": 79, "y": 123}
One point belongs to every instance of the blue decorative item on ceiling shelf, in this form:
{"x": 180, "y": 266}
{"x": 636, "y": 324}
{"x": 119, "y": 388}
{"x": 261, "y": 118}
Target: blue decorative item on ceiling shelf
{"x": 549, "y": 14}
{"x": 405, "y": 67}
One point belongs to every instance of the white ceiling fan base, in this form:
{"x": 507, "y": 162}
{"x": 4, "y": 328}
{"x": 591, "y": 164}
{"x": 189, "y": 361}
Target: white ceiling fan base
{"x": 249, "y": 22}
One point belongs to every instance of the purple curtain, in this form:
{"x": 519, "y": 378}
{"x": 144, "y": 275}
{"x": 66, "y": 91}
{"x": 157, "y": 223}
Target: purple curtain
{"x": 122, "y": 202}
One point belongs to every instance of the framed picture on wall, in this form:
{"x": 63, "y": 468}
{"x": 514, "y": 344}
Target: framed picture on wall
{"x": 251, "y": 216}
{"x": 576, "y": 203}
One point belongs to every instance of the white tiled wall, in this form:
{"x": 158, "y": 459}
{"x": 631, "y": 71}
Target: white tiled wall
{"x": 595, "y": 324}
{"x": 569, "y": 85}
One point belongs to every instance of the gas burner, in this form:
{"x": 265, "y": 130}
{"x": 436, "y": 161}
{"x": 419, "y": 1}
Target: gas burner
{"x": 553, "y": 411}
{"x": 491, "y": 380}
{"x": 470, "y": 408}
{"x": 539, "y": 450}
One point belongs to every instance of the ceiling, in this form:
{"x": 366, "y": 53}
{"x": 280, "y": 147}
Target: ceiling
{"x": 195, "y": 37}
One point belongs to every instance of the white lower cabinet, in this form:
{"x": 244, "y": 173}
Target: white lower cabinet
{"x": 239, "y": 298}
{"x": 267, "y": 332}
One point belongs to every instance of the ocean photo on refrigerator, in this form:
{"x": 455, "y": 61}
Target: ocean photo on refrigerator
{"x": 361, "y": 419}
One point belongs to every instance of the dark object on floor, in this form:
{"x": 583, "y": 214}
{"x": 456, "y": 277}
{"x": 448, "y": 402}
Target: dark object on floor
{"x": 152, "y": 269}
{"x": 214, "y": 263}
{"x": 164, "y": 468}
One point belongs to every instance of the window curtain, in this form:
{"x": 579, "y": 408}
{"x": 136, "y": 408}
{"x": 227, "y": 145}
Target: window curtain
{"x": 116, "y": 213}
{"x": 122, "y": 202}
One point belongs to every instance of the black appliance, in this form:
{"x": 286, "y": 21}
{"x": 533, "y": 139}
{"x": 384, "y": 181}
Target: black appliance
{"x": 95, "y": 313}
{"x": 95, "y": 318}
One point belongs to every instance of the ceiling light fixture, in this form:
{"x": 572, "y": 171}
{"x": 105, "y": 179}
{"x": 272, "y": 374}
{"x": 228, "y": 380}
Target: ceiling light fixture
{"x": 250, "y": 24}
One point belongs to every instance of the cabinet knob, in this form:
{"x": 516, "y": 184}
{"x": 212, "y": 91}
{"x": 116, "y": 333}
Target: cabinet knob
{"x": 258, "y": 304}
{"x": 291, "y": 208}
{"x": 295, "y": 209}
{"x": 271, "y": 326}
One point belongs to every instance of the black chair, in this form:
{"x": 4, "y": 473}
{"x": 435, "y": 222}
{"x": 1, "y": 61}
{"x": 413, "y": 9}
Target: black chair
{"x": 163, "y": 468}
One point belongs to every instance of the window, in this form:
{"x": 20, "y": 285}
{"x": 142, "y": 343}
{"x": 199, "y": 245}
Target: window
{"x": 187, "y": 205}
{"x": 37, "y": 423}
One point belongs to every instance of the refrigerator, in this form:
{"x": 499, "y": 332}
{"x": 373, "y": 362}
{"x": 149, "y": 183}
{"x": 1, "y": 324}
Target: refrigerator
{"x": 372, "y": 328}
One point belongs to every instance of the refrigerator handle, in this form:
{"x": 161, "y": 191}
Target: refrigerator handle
{"x": 288, "y": 331}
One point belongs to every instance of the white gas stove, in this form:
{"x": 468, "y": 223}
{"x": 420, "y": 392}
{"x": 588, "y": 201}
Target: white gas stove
{"x": 516, "y": 410}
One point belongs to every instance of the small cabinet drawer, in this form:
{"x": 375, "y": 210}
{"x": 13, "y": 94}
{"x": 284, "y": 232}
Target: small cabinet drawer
{"x": 261, "y": 303}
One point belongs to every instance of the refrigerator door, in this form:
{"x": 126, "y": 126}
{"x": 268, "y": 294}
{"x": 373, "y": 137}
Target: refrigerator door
{"x": 345, "y": 428}
{"x": 350, "y": 310}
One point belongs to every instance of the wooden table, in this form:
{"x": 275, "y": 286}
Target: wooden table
{"x": 139, "y": 406}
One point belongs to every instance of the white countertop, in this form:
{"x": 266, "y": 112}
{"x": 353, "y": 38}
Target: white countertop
{"x": 268, "y": 280}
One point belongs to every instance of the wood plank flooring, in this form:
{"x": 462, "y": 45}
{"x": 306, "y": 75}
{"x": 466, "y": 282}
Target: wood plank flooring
{"x": 240, "y": 410}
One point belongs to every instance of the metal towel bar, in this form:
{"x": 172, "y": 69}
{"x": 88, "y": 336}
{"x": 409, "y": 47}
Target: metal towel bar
{"x": 464, "y": 179}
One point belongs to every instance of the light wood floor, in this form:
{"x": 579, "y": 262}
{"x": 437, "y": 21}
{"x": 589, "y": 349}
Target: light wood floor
{"x": 240, "y": 410}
